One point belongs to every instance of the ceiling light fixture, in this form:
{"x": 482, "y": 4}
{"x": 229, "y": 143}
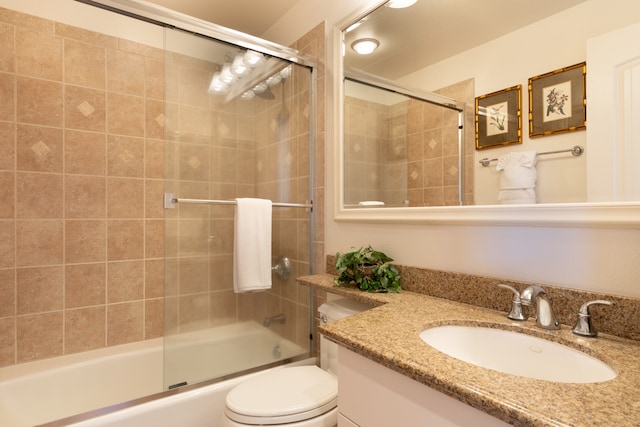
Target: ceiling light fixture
{"x": 365, "y": 46}
{"x": 399, "y": 4}
{"x": 249, "y": 74}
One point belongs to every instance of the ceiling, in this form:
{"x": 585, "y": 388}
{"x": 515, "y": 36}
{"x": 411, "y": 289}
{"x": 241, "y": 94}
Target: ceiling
{"x": 410, "y": 39}
{"x": 253, "y": 17}
{"x": 432, "y": 30}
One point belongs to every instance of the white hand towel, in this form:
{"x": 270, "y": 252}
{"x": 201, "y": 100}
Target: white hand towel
{"x": 252, "y": 245}
{"x": 517, "y": 197}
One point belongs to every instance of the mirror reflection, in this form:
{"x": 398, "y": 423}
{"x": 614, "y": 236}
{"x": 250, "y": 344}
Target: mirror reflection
{"x": 471, "y": 52}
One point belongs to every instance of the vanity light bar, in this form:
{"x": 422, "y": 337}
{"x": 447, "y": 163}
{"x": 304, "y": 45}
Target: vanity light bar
{"x": 577, "y": 151}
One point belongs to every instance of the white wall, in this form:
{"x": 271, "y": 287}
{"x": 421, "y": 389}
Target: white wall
{"x": 553, "y": 43}
{"x": 599, "y": 259}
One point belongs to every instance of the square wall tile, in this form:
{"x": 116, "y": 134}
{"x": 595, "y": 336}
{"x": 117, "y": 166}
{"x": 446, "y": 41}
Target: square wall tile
{"x": 125, "y": 156}
{"x": 84, "y": 329}
{"x": 85, "y": 153}
{"x": 7, "y": 48}
{"x": 85, "y": 285}
{"x": 7, "y": 292}
{"x": 125, "y": 198}
{"x": 39, "y": 336}
{"x": 7, "y": 97}
{"x": 38, "y": 54}
{"x": 39, "y": 289}
{"x": 125, "y": 72}
{"x": 125, "y": 281}
{"x": 7, "y": 195}
{"x": 126, "y": 115}
{"x": 85, "y": 109}
{"x": 84, "y": 64}
{"x": 125, "y": 323}
{"x": 7, "y": 341}
{"x": 153, "y": 318}
{"x": 125, "y": 240}
{"x": 39, "y": 149}
{"x": 39, "y": 102}
{"x": 7, "y": 243}
{"x": 39, "y": 242}
{"x": 85, "y": 241}
{"x": 85, "y": 197}
{"x": 39, "y": 195}
{"x": 7, "y": 142}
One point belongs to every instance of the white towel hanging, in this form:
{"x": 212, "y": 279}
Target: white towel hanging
{"x": 252, "y": 245}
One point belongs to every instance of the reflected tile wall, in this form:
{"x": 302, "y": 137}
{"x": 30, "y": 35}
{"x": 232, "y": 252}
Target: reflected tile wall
{"x": 413, "y": 145}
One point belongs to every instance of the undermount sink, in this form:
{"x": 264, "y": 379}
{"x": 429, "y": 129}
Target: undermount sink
{"x": 518, "y": 354}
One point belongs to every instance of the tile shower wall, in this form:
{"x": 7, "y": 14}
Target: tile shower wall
{"x": 81, "y": 179}
{"x": 81, "y": 182}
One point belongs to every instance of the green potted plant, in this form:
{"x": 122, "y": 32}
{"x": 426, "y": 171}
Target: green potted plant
{"x": 368, "y": 269}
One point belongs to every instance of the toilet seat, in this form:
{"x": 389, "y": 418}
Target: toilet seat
{"x": 281, "y": 396}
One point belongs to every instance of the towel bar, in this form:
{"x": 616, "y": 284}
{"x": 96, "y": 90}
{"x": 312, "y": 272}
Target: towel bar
{"x": 170, "y": 202}
{"x": 576, "y": 151}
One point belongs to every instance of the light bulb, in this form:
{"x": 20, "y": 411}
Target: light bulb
{"x": 260, "y": 87}
{"x": 248, "y": 95}
{"x": 239, "y": 67}
{"x": 365, "y": 46}
{"x": 217, "y": 85}
{"x": 274, "y": 80}
{"x": 252, "y": 58}
{"x": 399, "y": 4}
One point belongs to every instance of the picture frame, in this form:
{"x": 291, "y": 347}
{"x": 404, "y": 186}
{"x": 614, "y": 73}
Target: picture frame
{"x": 557, "y": 101}
{"x": 499, "y": 118}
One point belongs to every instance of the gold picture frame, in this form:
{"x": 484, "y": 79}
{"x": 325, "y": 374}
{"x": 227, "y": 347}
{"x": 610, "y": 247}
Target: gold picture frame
{"x": 499, "y": 118}
{"x": 558, "y": 101}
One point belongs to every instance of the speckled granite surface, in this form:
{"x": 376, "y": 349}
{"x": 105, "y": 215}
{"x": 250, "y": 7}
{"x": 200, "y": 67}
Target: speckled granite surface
{"x": 389, "y": 334}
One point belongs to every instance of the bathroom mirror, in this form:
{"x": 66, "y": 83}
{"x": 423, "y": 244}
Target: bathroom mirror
{"x": 466, "y": 49}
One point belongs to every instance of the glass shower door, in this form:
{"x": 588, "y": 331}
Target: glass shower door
{"x": 237, "y": 124}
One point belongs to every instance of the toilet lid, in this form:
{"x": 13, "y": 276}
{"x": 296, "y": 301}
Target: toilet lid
{"x": 283, "y": 396}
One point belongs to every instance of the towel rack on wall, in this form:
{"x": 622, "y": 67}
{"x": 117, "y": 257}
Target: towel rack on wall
{"x": 577, "y": 151}
{"x": 170, "y": 202}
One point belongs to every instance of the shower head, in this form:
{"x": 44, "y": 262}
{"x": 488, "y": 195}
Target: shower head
{"x": 266, "y": 94}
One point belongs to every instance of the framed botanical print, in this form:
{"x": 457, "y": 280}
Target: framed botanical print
{"x": 557, "y": 101}
{"x": 499, "y": 118}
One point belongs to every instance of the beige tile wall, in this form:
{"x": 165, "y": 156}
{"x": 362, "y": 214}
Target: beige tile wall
{"x": 80, "y": 252}
{"x": 82, "y": 230}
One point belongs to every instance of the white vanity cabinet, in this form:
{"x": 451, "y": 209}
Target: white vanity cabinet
{"x": 371, "y": 395}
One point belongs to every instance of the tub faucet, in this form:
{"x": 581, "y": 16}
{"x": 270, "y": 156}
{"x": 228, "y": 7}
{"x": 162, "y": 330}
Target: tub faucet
{"x": 544, "y": 313}
{"x": 280, "y": 318}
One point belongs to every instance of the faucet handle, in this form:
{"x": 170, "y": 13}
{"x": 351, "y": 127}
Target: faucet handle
{"x": 516, "y": 306}
{"x": 583, "y": 325}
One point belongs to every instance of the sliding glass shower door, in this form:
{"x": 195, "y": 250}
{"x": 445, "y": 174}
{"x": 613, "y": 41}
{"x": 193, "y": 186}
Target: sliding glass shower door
{"x": 237, "y": 124}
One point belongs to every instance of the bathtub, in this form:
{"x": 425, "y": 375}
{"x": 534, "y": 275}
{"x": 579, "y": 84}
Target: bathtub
{"x": 123, "y": 385}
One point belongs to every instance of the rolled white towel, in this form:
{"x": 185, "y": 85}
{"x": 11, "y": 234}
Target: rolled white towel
{"x": 518, "y": 177}
{"x": 517, "y": 197}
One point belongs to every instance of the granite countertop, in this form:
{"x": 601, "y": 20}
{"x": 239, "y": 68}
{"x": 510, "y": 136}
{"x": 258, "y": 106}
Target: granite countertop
{"x": 389, "y": 334}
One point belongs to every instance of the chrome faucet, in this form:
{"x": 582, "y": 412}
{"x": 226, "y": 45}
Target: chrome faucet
{"x": 544, "y": 313}
{"x": 279, "y": 318}
{"x": 583, "y": 324}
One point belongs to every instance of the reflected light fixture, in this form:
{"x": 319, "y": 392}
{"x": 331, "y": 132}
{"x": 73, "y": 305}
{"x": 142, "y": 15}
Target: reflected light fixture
{"x": 365, "y": 46}
{"x": 399, "y": 4}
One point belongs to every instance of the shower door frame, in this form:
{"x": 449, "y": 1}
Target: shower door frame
{"x": 167, "y": 18}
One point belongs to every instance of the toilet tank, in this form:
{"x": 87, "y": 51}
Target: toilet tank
{"x": 330, "y": 312}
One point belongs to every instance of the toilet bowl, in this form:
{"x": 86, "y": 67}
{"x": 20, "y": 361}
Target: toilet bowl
{"x": 300, "y": 396}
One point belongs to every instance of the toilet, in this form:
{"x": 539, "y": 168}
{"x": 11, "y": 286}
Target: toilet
{"x": 300, "y": 396}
